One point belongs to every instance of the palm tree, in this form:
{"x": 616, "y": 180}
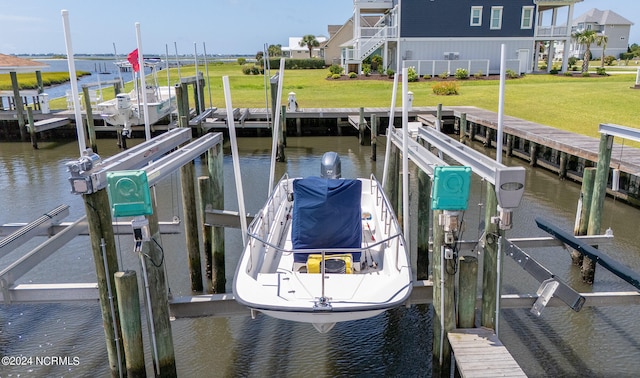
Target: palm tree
{"x": 310, "y": 41}
{"x": 586, "y": 38}
{"x": 601, "y": 40}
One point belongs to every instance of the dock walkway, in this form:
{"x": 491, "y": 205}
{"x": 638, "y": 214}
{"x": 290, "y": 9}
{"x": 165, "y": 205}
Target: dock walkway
{"x": 479, "y": 353}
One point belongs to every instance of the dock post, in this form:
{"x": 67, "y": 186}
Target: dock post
{"x": 284, "y": 125}
{"x": 299, "y": 127}
{"x": 103, "y": 243}
{"x": 487, "y": 137}
{"x": 490, "y": 288}
{"x": 468, "y": 291}
{"x": 216, "y": 267}
{"x": 510, "y": 140}
{"x": 130, "y": 324}
{"x": 39, "y": 81}
{"x": 463, "y": 127}
{"x": 361, "y": 126}
{"x": 533, "y": 154}
{"x": 472, "y": 131}
{"x": 443, "y": 302}
{"x": 187, "y": 177}
{"x": 184, "y": 104}
{"x": 32, "y": 128}
{"x": 597, "y": 201}
{"x": 280, "y": 152}
{"x": 90, "y": 126}
{"x": 582, "y": 221}
{"x": 19, "y": 105}
{"x": 374, "y": 136}
{"x": 424, "y": 203}
{"x": 393, "y": 177}
{"x": 152, "y": 261}
{"x": 562, "y": 170}
{"x": 116, "y": 88}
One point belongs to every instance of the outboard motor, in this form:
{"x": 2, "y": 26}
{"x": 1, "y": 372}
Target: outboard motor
{"x": 330, "y": 166}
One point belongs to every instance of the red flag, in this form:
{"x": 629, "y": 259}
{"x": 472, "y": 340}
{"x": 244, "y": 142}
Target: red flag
{"x": 133, "y": 59}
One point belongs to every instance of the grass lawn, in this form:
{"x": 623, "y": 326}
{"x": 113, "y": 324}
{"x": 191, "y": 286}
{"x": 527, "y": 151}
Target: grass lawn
{"x": 575, "y": 104}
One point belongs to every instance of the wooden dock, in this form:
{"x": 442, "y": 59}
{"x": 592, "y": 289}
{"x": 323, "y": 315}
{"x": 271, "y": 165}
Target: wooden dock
{"x": 479, "y": 353}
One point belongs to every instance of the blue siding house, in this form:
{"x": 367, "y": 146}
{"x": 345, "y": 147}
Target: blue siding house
{"x": 437, "y": 36}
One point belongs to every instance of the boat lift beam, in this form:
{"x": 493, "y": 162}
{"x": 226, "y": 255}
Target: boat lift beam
{"x": 620, "y": 131}
{"x": 26, "y": 232}
{"x": 119, "y": 228}
{"x": 418, "y": 154}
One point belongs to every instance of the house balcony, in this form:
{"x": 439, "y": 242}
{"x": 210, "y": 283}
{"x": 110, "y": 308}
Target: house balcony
{"x": 551, "y": 32}
{"x": 373, "y": 6}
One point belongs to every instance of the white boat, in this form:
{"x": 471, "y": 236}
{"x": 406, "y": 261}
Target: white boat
{"x": 347, "y": 223}
{"x": 127, "y": 108}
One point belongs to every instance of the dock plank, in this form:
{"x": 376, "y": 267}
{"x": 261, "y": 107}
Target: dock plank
{"x": 479, "y": 353}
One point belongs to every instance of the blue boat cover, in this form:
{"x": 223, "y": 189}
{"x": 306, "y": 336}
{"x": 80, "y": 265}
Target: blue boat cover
{"x": 326, "y": 213}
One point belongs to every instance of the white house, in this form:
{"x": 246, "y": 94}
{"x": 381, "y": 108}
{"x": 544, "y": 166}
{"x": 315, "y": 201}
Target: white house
{"x": 295, "y": 51}
{"x": 607, "y": 22}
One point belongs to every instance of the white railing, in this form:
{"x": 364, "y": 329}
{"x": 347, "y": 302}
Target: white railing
{"x": 552, "y": 31}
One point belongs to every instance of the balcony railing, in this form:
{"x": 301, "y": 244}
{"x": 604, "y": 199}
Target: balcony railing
{"x": 552, "y": 31}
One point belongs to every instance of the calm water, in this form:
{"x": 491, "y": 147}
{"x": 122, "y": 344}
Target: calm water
{"x": 593, "y": 342}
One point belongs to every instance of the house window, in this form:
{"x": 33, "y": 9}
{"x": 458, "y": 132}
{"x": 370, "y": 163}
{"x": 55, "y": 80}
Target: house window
{"x": 589, "y": 26}
{"x": 496, "y": 18}
{"x": 527, "y": 18}
{"x": 476, "y": 16}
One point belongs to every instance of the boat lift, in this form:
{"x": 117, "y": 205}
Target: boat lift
{"x": 88, "y": 174}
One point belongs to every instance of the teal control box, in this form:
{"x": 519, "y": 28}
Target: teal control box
{"x": 451, "y": 187}
{"x": 129, "y": 193}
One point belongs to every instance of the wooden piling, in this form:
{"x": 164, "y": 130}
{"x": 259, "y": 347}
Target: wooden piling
{"x": 361, "y": 127}
{"x": 468, "y": 290}
{"x": 597, "y": 201}
{"x": 562, "y": 169}
{"x": 299, "y": 127}
{"x": 102, "y": 236}
{"x": 159, "y": 325}
{"x": 374, "y": 136}
{"x": 533, "y": 154}
{"x": 586, "y": 195}
{"x": 280, "y": 156}
{"x": 187, "y": 177}
{"x": 510, "y": 140}
{"x": 39, "y": 81}
{"x": 130, "y": 323}
{"x": 443, "y": 302}
{"x": 284, "y": 125}
{"x": 204, "y": 187}
{"x": 32, "y": 128}
{"x": 424, "y": 204}
{"x": 472, "y": 131}
{"x": 490, "y": 268}
{"x": 393, "y": 177}
{"x": 19, "y": 105}
{"x": 90, "y": 125}
{"x": 217, "y": 274}
{"x": 487, "y": 137}
{"x": 463, "y": 127}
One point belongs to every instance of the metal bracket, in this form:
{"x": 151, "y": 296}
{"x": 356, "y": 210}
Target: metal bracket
{"x": 545, "y": 292}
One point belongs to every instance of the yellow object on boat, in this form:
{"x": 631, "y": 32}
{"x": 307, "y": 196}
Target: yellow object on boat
{"x": 341, "y": 263}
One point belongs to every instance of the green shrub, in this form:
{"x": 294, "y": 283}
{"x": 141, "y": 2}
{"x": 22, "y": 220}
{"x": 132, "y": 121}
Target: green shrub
{"x": 366, "y": 70}
{"x": 478, "y": 74}
{"x": 461, "y": 74}
{"x": 542, "y": 66}
{"x": 445, "y": 88}
{"x": 412, "y": 75}
{"x": 426, "y": 77}
{"x": 294, "y": 64}
{"x": 376, "y": 62}
{"x": 336, "y": 69}
{"x": 608, "y": 60}
{"x": 443, "y": 75}
{"x": 390, "y": 72}
{"x": 586, "y": 74}
{"x": 574, "y": 68}
{"x": 572, "y": 61}
{"x": 246, "y": 69}
{"x": 511, "y": 74}
{"x": 335, "y": 76}
{"x": 568, "y": 73}
{"x": 242, "y": 61}
{"x": 329, "y": 75}
{"x": 601, "y": 71}
{"x": 553, "y": 71}
{"x": 352, "y": 75}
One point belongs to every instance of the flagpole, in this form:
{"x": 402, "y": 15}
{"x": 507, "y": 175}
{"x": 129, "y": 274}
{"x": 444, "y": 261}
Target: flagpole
{"x": 145, "y": 106}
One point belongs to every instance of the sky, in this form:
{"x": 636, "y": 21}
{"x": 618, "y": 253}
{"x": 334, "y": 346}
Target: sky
{"x": 222, "y": 26}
